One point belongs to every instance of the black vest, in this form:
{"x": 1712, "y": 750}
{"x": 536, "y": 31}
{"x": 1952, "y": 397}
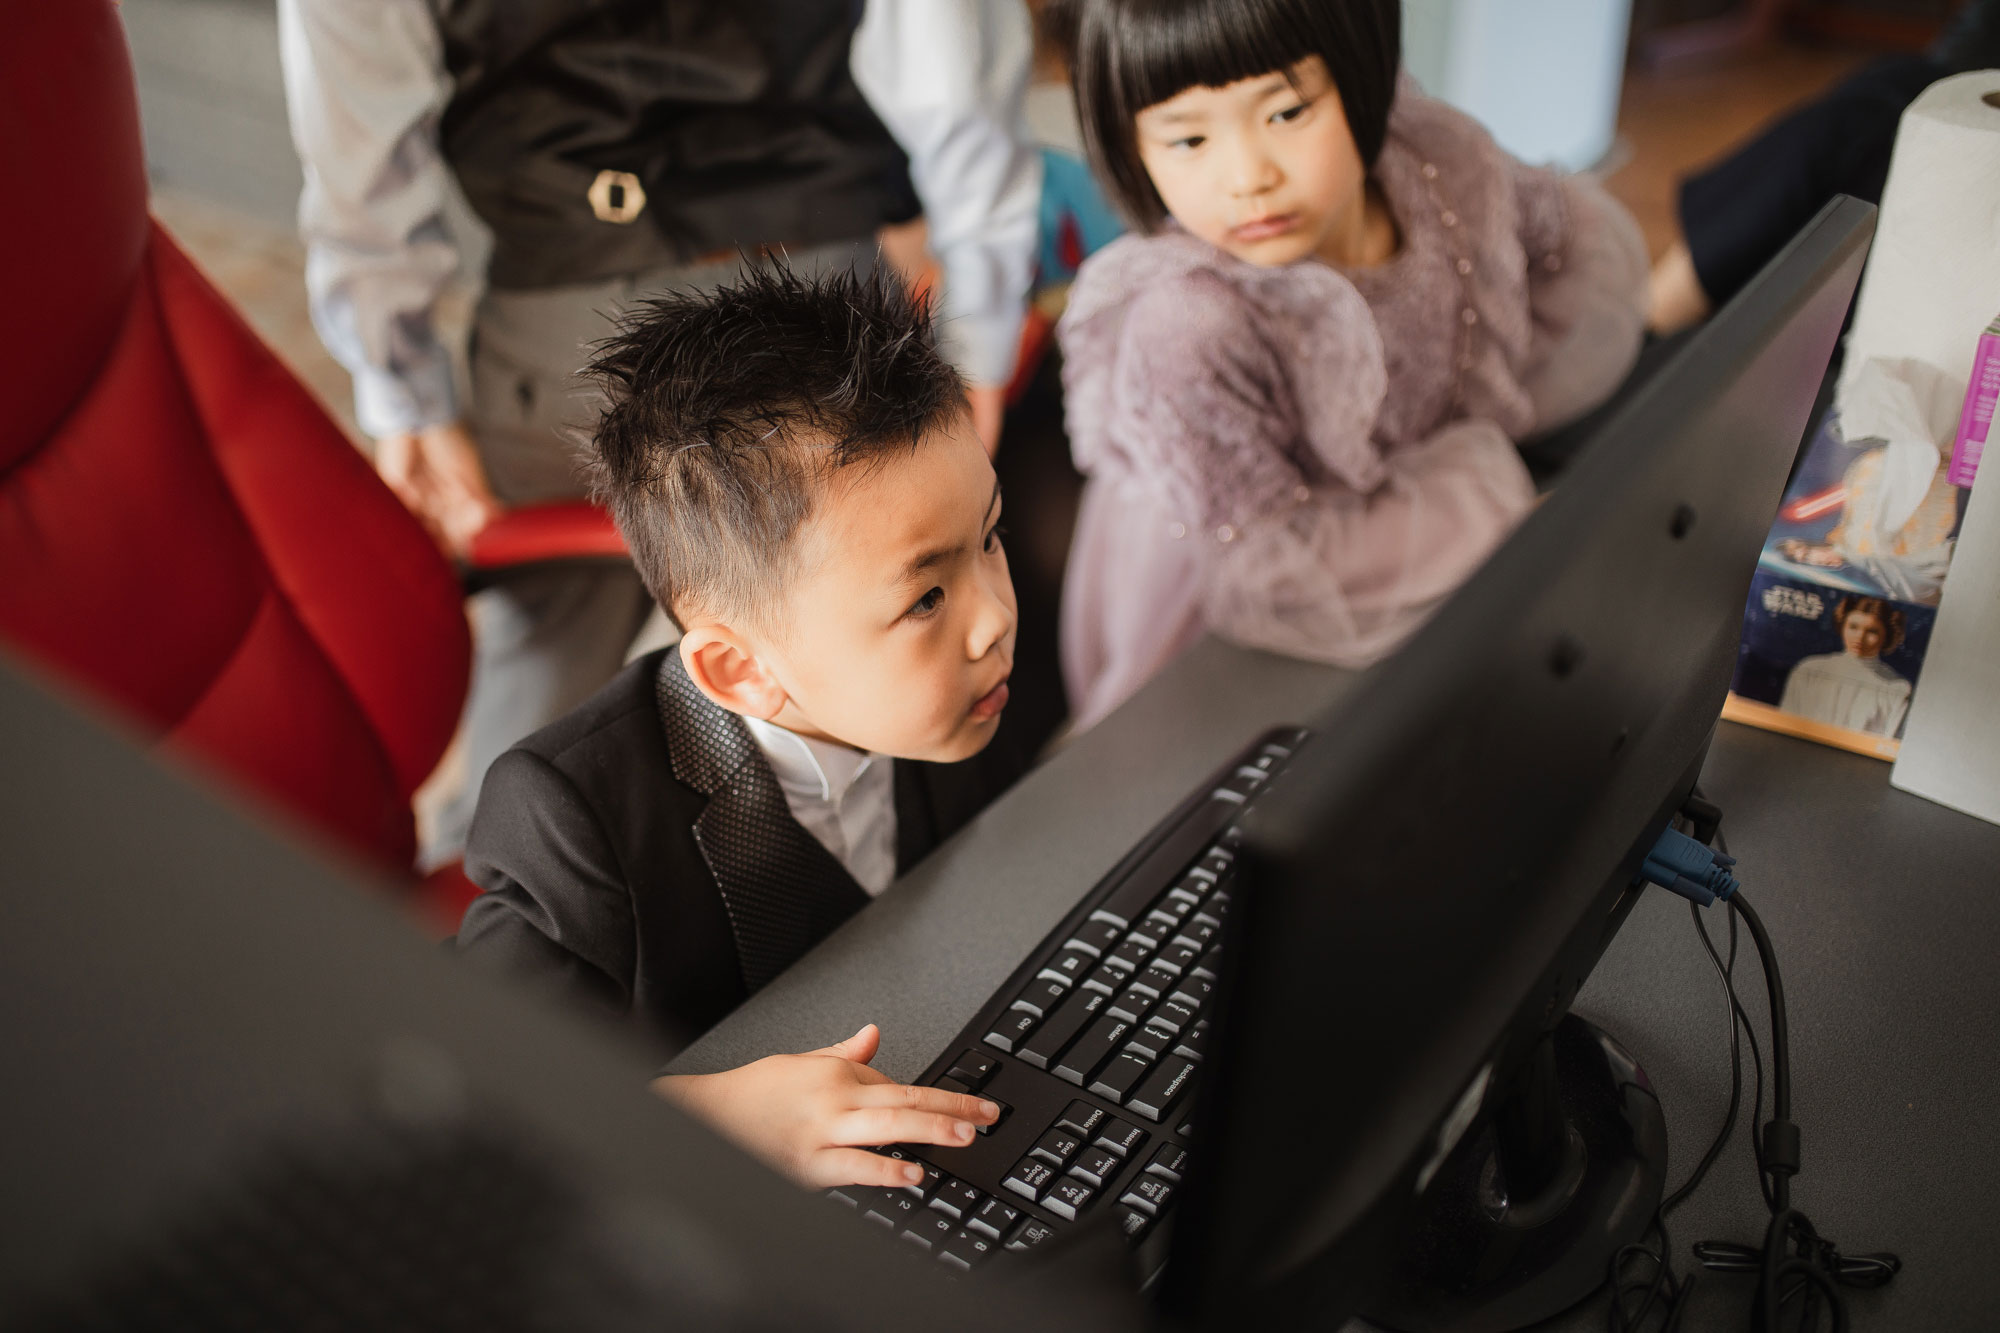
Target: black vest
{"x": 737, "y": 121}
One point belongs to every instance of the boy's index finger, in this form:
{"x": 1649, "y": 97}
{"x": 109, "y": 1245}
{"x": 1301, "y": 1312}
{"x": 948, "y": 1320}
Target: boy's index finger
{"x": 959, "y": 1104}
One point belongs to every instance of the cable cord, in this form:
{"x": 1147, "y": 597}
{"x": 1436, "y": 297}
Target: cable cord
{"x": 1798, "y": 1272}
{"x": 1655, "y": 1287}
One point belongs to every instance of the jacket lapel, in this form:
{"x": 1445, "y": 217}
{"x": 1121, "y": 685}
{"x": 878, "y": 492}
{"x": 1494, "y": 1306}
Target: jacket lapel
{"x": 783, "y": 891}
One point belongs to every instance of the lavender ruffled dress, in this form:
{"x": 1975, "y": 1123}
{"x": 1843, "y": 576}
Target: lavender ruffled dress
{"x": 1308, "y": 459}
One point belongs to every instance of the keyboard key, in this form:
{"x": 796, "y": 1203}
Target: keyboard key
{"x": 890, "y": 1207}
{"x": 1194, "y": 1042}
{"x": 999, "y": 1119}
{"x": 1083, "y": 1118}
{"x": 1068, "y": 1197}
{"x": 1082, "y": 1059}
{"x": 1198, "y": 930}
{"x": 1179, "y": 955}
{"x": 929, "y": 1230}
{"x": 1174, "y": 1015}
{"x": 967, "y": 1249}
{"x": 1012, "y": 1028}
{"x": 843, "y": 1197}
{"x": 1096, "y": 1165}
{"x": 1168, "y": 1160}
{"x": 1096, "y": 937}
{"x": 1042, "y": 996}
{"x": 1116, "y": 1080}
{"x": 972, "y": 1068}
{"x": 1107, "y": 978}
{"x": 1063, "y": 1025}
{"x": 1163, "y": 1089}
{"x": 924, "y": 1188}
{"x": 1070, "y": 966}
{"x": 1161, "y": 924}
{"x": 950, "y": 1084}
{"x": 1221, "y": 862}
{"x": 1030, "y": 1178}
{"x": 1157, "y": 979}
{"x": 1134, "y": 1004}
{"x": 1132, "y": 1222}
{"x": 1152, "y": 1042}
{"x": 1122, "y": 1138}
{"x": 1149, "y": 1194}
{"x": 993, "y": 1218}
{"x": 956, "y": 1199}
{"x": 1031, "y": 1233}
{"x": 1057, "y": 1146}
{"x": 1133, "y": 953}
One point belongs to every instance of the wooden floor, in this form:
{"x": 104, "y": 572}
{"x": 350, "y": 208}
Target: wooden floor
{"x": 1670, "y": 122}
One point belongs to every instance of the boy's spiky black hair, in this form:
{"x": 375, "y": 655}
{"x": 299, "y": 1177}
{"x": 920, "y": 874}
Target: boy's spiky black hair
{"x": 728, "y": 410}
{"x": 1127, "y": 55}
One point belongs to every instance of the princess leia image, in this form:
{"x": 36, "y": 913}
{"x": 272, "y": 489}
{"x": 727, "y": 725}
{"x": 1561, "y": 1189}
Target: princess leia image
{"x": 1854, "y": 688}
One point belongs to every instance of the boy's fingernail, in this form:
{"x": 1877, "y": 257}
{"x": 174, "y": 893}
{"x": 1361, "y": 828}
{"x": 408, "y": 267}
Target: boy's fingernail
{"x": 990, "y": 1110}
{"x": 913, "y": 1173}
{"x": 964, "y": 1132}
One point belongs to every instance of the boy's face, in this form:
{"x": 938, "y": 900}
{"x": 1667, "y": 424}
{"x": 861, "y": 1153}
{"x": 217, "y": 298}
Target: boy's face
{"x": 1265, "y": 168}
{"x": 898, "y": 634}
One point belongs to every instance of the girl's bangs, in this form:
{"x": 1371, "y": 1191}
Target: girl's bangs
{"x": 1157, "y": 51}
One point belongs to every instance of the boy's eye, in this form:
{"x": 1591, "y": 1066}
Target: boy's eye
{"x": 926, "y": 604}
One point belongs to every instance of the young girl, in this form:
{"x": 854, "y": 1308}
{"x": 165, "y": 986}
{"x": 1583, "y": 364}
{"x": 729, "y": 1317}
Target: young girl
{"x": 1296, "y": 389}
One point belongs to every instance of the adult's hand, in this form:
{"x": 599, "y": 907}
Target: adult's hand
{"x": 435, "y": 471}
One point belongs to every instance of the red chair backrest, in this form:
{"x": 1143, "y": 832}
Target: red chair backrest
{"x": 184, "y": 533}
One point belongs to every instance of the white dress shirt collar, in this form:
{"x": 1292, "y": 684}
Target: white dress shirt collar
{"x": 842, "y": 796}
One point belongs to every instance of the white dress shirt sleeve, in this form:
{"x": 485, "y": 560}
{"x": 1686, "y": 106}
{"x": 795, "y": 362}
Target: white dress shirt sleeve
{"x": 948, "y": 79}
{"x": 364, "y": 88}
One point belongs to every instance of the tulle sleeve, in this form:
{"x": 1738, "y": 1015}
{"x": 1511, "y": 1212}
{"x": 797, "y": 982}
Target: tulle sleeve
{"x": 1586, "y": 293}
{"x": 1314, "y": 542}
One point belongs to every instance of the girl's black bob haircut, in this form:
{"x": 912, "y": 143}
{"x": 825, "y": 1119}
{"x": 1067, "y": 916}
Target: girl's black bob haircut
{"x": 1127, "y": 55}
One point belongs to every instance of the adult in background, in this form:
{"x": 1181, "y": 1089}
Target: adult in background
{"x": 617, "y": 148}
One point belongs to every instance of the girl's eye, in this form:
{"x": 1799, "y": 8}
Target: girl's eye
{"x": 926, "y": 605}
{"x": 1191, "y": 142}
{"x": 993, "y": 538}
{"x": 1289, "y": 114}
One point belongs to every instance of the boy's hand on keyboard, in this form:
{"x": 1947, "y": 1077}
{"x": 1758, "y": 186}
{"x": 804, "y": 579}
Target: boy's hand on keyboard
{"x": 812, "y": 1115}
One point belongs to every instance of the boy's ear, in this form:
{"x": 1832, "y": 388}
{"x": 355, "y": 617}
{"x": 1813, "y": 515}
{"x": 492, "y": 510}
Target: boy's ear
{"x": 725, "y": 668}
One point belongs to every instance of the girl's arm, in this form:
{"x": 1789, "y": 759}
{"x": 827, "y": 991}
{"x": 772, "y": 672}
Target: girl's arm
{"x": 1586, "y": 293}
{"x": 1294, "y": 560}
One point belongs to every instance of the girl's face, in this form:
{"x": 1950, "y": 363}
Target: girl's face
{"x": 1862, "y": 634}
{"x": 1261, "y": 168}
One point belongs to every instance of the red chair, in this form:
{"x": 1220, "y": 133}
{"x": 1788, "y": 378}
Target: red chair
{"x": 184, "y": 535}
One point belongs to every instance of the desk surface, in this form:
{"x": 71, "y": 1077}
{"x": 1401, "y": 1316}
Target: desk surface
{"x": 1880, "y": 904}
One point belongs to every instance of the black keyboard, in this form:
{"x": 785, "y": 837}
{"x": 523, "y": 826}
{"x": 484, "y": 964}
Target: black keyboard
{"x": 1091, "y": 1049}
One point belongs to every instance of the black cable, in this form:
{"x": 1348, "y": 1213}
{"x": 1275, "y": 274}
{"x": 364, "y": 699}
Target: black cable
{"x": 1664, "y": 1289}
{"x": 1797, "y": 1269}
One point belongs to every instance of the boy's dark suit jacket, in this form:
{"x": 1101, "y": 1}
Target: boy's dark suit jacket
{"x": 638, "y": 853}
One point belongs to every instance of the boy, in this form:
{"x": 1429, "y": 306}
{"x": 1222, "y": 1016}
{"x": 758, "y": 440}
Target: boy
{"x": 795, "y": 470}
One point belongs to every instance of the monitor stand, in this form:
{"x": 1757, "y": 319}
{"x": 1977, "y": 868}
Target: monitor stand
{"x": 1524, "y": 1216}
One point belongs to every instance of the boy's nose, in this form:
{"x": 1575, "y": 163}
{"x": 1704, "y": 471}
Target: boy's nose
{"x": 995, "y": 620}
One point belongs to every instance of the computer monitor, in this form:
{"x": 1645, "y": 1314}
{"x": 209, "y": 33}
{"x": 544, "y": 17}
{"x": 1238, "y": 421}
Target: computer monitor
{"x": 1401, "y": 1120}
{"x": 238, "y": 1091}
